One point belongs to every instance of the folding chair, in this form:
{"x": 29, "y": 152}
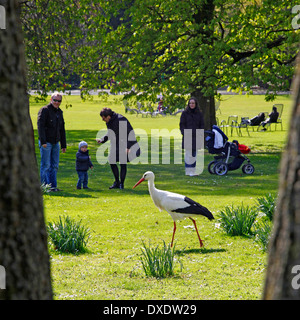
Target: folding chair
{"x": 231, "y": 123}
{"x": 243, "y": 125}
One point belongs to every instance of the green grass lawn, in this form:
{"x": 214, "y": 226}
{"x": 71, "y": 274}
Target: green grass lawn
{"x": 120, "y": 220}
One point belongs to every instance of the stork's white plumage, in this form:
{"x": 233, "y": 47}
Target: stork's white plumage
{"x": 177, "y": 205}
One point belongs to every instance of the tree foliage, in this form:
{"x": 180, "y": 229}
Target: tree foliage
{"x": 184, "y": 46}
{"x": 61, "y": 38}
{"x": 172, "y": 47}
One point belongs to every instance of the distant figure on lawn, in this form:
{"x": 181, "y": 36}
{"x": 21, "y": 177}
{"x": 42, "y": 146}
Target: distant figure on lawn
{"x": 273, "y": 117}
{"x": 122, "y": 140}
{"x": 83, "y": 163}
{"x": 255, "y": 121}
{"x": 191, "y": 119}
{"x": 51, "y": 130}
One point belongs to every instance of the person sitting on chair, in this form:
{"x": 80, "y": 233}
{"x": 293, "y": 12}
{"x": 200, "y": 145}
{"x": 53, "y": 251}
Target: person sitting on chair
{"x": 273, "y": 116}
{"x": 255, "y": 121}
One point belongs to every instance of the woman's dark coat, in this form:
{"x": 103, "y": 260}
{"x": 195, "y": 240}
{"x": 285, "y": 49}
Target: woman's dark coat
{"x": 122, "y": 137}
{"x": 191, "y": 119}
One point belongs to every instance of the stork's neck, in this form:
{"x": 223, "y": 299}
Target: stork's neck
{"x": 151, "y": 187}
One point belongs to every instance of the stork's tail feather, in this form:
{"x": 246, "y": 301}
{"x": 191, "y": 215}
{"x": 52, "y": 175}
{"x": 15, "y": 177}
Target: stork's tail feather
{"x": 195, "y": 208}
{"x": 205, "y": 212}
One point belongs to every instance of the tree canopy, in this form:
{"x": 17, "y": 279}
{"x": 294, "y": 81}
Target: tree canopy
{"x": 62, "y": 40}
{"x": 177, "y": 48}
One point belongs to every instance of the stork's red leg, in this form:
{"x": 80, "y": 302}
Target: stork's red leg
{"x": 174, "y": 229}
{"x": 201, "y": 242}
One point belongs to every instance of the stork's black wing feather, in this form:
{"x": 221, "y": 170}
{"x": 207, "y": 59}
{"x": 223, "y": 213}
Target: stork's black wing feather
{"x": 194, "y": 207}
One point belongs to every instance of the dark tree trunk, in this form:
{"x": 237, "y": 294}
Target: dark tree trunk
{"x": 207, "y": 106}
{"x": 282, "y": 281}
{"x": 204, "y": 16}
{"x": 23, "y": 238}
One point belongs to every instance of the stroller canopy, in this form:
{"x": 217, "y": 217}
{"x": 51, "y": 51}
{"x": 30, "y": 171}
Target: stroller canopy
{"x": 215, "y": 140}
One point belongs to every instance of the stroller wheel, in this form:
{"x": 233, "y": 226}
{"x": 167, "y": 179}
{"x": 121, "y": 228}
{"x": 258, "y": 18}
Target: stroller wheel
{"x": 211, "y": 167}
{"x": 248, "y": 168}
{"x": 220, "y": 168}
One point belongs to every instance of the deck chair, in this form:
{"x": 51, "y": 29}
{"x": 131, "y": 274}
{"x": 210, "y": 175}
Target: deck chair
{"x": 144, "y": 113}
{"x": 217, "y": 106}
{"x": 243, "y": 125}
{"x": 128, "y": 109}
{"x": 230, "y": 123}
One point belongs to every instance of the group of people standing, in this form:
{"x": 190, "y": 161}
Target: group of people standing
{"x": 52, "y": 140}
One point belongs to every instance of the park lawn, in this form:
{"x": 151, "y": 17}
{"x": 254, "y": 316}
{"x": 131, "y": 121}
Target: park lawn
{"x": 120, "y": 220}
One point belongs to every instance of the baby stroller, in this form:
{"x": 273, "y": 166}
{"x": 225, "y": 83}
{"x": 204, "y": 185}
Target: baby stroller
{"x": 230, "y": 155}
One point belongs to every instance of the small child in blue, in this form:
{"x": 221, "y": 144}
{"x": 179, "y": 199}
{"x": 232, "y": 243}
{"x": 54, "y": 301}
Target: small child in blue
{"x": 83, "y": 163}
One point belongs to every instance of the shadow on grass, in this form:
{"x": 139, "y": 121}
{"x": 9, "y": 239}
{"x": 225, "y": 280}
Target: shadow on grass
{"x": 201, "y": 251}
{"x": 57, "y": 252}
{"x": 169, "y": 177}
{"x": 97, "y": 193}
{"x": 86, "y": 194}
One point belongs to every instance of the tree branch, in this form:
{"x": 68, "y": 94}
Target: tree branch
{"x": 238, "y": 56}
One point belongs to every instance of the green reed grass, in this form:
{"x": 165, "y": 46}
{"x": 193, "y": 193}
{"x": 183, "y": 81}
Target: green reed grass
{"x": 263, "y": 232}
{"x": 238, "y": 221}
{"x": 159, "y": 262}
{"x": 68, "y": 236}
{"x": 267, "y": 204}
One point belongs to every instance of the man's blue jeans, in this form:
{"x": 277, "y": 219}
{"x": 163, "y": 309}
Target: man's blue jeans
{"x": 49, "y": 163}
{"x": 82, "y": 179}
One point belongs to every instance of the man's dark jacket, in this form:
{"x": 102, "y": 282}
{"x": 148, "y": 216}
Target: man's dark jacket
{"x": 51, "y": 126}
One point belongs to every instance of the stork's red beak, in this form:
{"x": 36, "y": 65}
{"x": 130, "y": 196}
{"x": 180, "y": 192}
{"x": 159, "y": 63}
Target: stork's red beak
{"x": 140, "y": 181}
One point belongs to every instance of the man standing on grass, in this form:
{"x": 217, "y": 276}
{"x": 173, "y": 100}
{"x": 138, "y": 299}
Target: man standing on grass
{"x": 51, "y": 130}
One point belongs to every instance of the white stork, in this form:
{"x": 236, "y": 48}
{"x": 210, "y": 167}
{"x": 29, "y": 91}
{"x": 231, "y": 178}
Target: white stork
{"x": 177, "y": 205}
